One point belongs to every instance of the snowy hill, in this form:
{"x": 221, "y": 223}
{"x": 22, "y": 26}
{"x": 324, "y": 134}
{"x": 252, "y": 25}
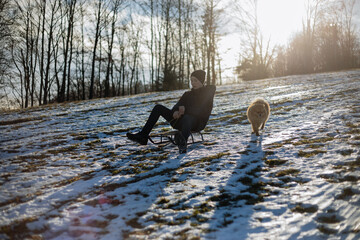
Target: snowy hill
{"x": 68, "y": 171}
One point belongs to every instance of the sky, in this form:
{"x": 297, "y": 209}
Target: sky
{"x": 278, "y": 20}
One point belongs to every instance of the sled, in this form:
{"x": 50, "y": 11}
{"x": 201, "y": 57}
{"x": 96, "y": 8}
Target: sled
{"x": 169, "y": 137}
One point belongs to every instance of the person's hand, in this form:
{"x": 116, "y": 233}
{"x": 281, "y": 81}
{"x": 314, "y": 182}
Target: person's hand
{"x": 181, "y": 110}
{"x": 176, "y": 115}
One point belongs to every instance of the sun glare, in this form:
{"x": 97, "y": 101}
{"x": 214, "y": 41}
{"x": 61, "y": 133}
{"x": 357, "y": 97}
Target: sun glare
{"x": 278, "y": 19}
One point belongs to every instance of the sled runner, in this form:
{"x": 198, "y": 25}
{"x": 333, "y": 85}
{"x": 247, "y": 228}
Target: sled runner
{"x": 169, "y": 137}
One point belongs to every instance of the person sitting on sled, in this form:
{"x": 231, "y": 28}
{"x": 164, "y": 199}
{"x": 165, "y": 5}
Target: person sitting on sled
{"x": 190, "y": 113}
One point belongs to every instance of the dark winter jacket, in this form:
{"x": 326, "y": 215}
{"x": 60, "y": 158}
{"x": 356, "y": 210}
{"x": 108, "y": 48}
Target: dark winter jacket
{"x": 198, "y": 103}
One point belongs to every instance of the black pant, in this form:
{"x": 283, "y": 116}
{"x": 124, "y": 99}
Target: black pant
{"x": 185, "y": 124}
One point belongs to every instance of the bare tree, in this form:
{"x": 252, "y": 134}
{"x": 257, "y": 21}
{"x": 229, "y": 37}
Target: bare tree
{"x": 134, "y": 36}
{"x": 189, "y": 21}
{"x": 350, "y": 42}
{"x": 24, "y": 50}
{"x": 210, "y": 31}
{"x": 256, "y": 56}
{"x": 169, "y": 81}
{"x": 54, "y": 19}
{"x": 82, "y": 71}
{"x": 6, "y": 22}
{"x": 100, "y": 16}
{"x": 115, "y": 7}
{"x": 52, "y": 57}
{"x": 6, "y": 78}
{"x": 308, "y": 34}
{"x": 69, "y": 12}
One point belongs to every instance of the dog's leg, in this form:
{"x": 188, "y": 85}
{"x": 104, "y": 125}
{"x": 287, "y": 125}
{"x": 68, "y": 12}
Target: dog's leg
{"x": 255, "y": 128}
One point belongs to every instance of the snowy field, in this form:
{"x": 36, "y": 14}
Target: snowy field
{"x": 68, "y": 171}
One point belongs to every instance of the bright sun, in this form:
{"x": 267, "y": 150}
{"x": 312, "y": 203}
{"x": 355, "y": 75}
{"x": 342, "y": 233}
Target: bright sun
{"x": 279, "y": 19}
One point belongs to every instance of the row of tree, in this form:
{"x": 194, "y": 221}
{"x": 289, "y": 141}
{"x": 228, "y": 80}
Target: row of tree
{"x": 328, "y": 42}
{"x": 63, "y": 50}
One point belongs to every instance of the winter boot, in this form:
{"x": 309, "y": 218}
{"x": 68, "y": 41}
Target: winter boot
{"x": 181, "y": 142}
{"x": 138, "y": 137}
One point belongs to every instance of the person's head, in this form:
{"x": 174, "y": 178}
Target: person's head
{"x": 197, "y": 79}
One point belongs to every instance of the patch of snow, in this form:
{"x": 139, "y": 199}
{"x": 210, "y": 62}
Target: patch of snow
{"x": 68, "y": 171}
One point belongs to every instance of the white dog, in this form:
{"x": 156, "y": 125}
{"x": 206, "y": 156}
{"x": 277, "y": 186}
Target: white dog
{"x": 258, "y": 113}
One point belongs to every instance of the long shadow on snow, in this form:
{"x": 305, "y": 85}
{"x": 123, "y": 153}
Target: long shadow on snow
{"x": 141, "y": 191}
{"x": 244, "y": 189}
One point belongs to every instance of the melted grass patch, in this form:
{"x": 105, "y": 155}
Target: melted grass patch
{"x": 143, "y": 167}
{"x": 205, "y": 159}
{"x": 246, "y": 181}
{"x": 347, "y": 193}
{"x": 329, "y": 178}
{"x": 326, "y": 230}
{"x": 143, "y": 151}
{"x": 209, "y": 143}
{"x": 21, "y": 120}
{"x": 328, "y": 218}
{"x": 104, "y": 200}
{"x": 83, "y": 176}
{"x": 250, "y": 200}
{"x": 52, "y": 144}
{"x": 97, "y": 223}
{"x": 346, "y": 152}
{"x": 139, "y": 166}
{"x": 204, "y": 208}
{"x": 138, "y": 192}
{"x": 14, "y": 201}
{"x": 32, "y": 157}
{"x": 286, "y": 172}
{"x": 274, "y": 162}
{"x": 67, "y": 149}
{"x": 305, "y": 208}
{"x": 351, "y": 125}
{"x": 163, "y": 156}
{"x": 335, "y": 178}
{"x": 279, "y": 144}
{"x": 226, "y": 199}
{"x": 33, "y": 167}
{"x": 163, "y": 200}
{"x": 79, "y": 136}
{"x": 313, "y": 141}
{"x": 183, "y": 233}
{"x": 353, "y": 164}
{"x": 275, "y": 145}
{"x": 19, "y": 230}
{"x": 353, "y": 131}
{"x": 308, "y": 154}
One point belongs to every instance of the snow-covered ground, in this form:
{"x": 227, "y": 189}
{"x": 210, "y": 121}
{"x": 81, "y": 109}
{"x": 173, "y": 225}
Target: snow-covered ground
{"x": 68, "y": 171}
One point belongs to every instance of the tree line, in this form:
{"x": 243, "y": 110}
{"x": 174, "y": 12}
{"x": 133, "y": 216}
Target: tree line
{"x": 65, "y": 50}
{"x": 68, "y": 50}
{"x": 328, "y": 41}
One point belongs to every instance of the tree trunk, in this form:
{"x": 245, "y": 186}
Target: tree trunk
{"x": 66, "y": 50}
{"x": 110, "y": 58}
{"x": 70, "y": 59}
{"x": 97, "y": 36}
{"x": 43, "y": 8}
